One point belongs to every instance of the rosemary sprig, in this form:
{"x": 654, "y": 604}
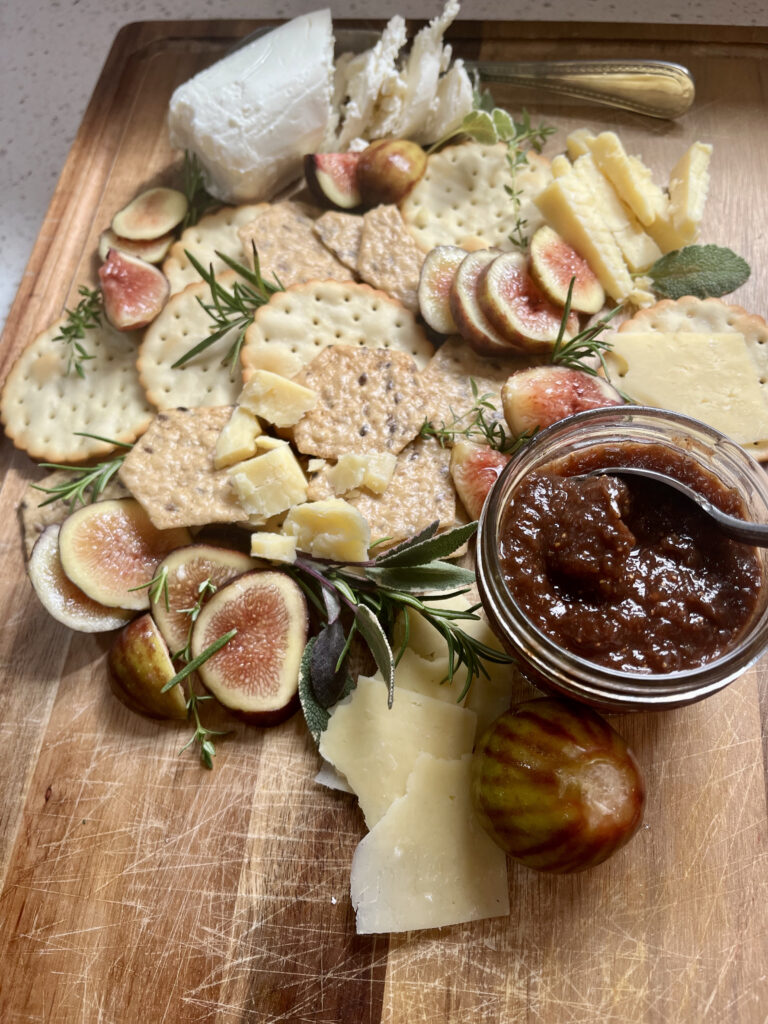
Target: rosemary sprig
{"x": 199, "y": 199}
{"x": 480, "y": 423}
{"x": 87, "y": 482}
{"x": 230, "y": 309}
{"x": 157, "y": 587}
{"x": 585, "y": 345}
{"x": 204, "y": 591}
{"x": 85, "y": 315}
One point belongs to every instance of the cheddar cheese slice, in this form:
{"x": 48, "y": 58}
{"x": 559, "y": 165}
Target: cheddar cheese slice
{"x": 688, "y": 188}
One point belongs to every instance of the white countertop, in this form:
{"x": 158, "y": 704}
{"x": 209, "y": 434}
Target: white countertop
{"x": 51, "y": 52}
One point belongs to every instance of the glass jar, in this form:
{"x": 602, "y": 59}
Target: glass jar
{"x": 554, "y": 668}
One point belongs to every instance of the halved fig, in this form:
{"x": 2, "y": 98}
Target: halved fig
{"x": 332, "y": 179}
{"x": 256, "y": 673}
{"x": 139, "y": 666}
{"x": 535, "y": 398}
{"x": 109, "y": 548}
{"x": 475, "y": 469}
{"x": 388, "y": 169}
{"x": 437, "y": 274}
{"x": 151, "y": 214}
{"x": 134, "y": 291}
{"x": 154, "y": 250}
{"x": 186, "y": 570}
{"x": 59, "y": 595}
{"x": 518, "y": 308}
{"x": 469, "y": 316}
{"x": 554, "y": 264}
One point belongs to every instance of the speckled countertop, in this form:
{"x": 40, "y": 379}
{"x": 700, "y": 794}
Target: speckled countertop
{"x": 51, "y": 52}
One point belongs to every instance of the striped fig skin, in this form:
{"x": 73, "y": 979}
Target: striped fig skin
{"x": 556, "y": 787}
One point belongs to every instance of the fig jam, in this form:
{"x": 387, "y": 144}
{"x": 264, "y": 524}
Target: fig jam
{"x": 625, "y": 572}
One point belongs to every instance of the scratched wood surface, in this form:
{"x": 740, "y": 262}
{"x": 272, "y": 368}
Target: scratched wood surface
{"x": 135, "y": 886}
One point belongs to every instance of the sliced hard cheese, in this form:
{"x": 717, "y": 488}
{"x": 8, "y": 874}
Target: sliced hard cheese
{"x": 688, "y": 187}
{"x": 428, "y": 862}
{"x": 331, "y": 528}
{"x": 276, "y": 399}
{"x": 269, "y": 483}
{"x": 274, "y": 546}
{"x": 708, "y": 376}
{"x": 375, "y": 747}
{"x": 373, "y": 470}
{"x": 237, "y": 441}
{"x": 629, "y": 176}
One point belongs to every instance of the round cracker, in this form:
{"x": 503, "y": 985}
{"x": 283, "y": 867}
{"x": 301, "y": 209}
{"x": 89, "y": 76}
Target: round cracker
{"x": 462, "y": 199}
{"x": 289, "y": 331}
{"x": 216, "y": 232}
{"x": 43, "y": 408}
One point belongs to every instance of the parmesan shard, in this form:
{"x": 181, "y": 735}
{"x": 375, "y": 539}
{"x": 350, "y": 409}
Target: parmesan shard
{"x": 428, "y": 862}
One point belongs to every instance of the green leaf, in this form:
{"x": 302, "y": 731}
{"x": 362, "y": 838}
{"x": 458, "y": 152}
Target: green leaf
{"x": 419, "y": 552}
{"x": 480, "y": 125}
{"x": 371, "y": 631}
{"x": 504, "y": 124}
{"x": 422, "y": 579}
{"x": 406, "y": 545}
{"x": 700, "y": 270}
{"x": 316, "y": 717}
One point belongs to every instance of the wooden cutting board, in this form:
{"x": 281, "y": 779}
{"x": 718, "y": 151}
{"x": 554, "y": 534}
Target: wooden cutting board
{"x": 136, "y": 886}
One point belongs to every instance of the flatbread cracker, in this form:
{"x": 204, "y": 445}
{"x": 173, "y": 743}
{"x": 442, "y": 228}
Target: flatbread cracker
{"x": 43, "y": 407}
{"x": 369, "y": 400}
{"x": 171, "y": 472}
{"x": 388, "y": 258}
{"x": 289, "y": 250}
{"x": 463, "y": 200}
{"x": 205, "y": 380}
{"x": 341, "y": 233}
{"x": 289, "y": 331}
{"x": 216, "y": 232}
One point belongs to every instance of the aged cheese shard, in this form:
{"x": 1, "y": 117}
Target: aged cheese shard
{"x": 331, "y": 528}
{"x": 276, "y": 399}
{"x": 375, "y": 747}
{"x": 630, "y": 177}
{"x": 269, "y": 483}
{"x": 708, "y": 376}
{"x": 688, "y": 188}
{"x": 274, "y": 546}
{"x": 428, "y": 862}
{"x": 237, "y": 440}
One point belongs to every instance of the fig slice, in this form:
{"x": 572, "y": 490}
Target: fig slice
{"x": 388, "y": 169}
{"x": 518, "y": 308}
{"x": 475, "y": 469}
{"x": 470, "y": 318}
{"x": 186, "y": 569}
{"x": 151, "y": 214}
{"x": 437, "y": 274}
{"x": 332, "y": 179}
{"x": 535, "y": 398}
{"x": 154, "y": 250}
{"x": 554, "y": 264}
{"x": 256, "y": 674}
{"x": 110, "y": 547}
{"x": 139, "y": 665}
{"x": 134, "y": 291}
{"x": 59, "y": 595}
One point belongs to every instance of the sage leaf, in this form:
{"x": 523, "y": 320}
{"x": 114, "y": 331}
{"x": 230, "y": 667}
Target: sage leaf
{"x": 422, "y": 579}
{"x": 701, "y": 270}
{"x": 430, "y": 548}
{"x": 315, "y": 716}
{"x": 480, "y": 125}
{"x": 406, "y": 545}
{"x": 373, "y": 634}
{"x": 328, "y": 683}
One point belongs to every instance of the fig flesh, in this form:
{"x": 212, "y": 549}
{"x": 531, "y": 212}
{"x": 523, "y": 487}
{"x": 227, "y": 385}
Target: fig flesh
{"x": 111, "y": 547}
{"x": 256, "y": 674}
{"x": 556, "y": 787}
{"x": 332, "y": 179}
{"x": 518, "y": 308}
{"x": 139, "y": 666}
{"x": 475, "y": 468}
{"x": 437, "y": 274}
{"x": 151, "y": 214}
{"x": 134, "y": 291}
{"x": 154, "y": 250}
{"x": 535, "y": 398}
{"x": 388, "y": 169}
{"x": 554, "y": 264}
{"x": 470, "y": 318}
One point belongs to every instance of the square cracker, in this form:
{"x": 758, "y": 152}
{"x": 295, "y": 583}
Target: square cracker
{"x": 369, "y": 400}
{"x": 388, "y": 258}
{"x": 171, "y": 471}
{"x": 341, "y": 233}
{"x": 214, "y": 233}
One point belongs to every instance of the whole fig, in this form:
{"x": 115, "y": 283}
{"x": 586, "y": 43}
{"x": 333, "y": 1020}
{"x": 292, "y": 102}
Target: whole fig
{"x": 388, "y": 169}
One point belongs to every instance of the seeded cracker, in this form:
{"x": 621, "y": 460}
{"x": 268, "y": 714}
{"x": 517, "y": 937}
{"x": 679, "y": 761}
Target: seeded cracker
{"x": 171, "y": 471}
{"x": 388, "y": 257}
{"x": 341, "y": 233}
{"x": 295, "y": 325}
{"x": 43, "y": 407}
{"x": 216, "y": 232}
{"x": 462, "y": 198}
{"x": 288, "y": 248}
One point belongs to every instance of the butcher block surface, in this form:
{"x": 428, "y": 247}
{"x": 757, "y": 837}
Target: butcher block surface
{"x": 137, "y": 886}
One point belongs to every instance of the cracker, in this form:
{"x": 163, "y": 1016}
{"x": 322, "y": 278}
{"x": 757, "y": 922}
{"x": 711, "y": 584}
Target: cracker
{"x": 295, "y": 325}
{"x": 204, "y": 380}
{"x": 35, "y": 516}
{"x": 341, "y": 233}
{"x": 43, "y": 407}
{"x": 171, "y": 470}
{"x": 216, "y": 232}
{"x": 462, "y": 198}
{"x": 289, "y": 250}
{"x": 388, "y": 257}
{"x": 368, "y": 399}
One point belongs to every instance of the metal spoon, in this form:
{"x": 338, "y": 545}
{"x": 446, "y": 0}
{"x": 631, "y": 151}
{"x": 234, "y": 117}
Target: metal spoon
{"x": 737, "y": 529}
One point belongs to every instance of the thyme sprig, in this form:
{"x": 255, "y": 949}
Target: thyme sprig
{"x": 480, "y": 423}
{"x": 199, "y": 199}
{"x": 83, "y": 317}
{"x": 86, "y": 482}
{"x": 230, "y": 309}
{"x": 584, "y": 346}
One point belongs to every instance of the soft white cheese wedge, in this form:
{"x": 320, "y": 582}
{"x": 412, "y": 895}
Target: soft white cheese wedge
{"x": 251, "y": 117}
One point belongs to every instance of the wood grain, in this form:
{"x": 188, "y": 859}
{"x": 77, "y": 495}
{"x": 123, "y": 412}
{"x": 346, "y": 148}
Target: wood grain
{"x": 136, "y": 886}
